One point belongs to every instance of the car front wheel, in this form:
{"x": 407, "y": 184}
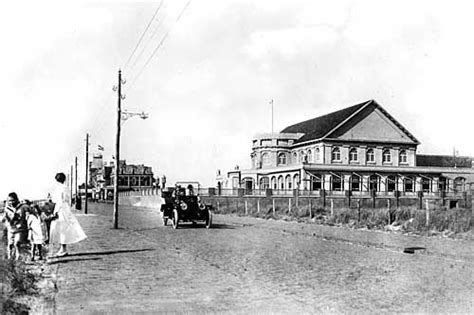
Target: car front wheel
{"x": 208, "y": 219}
{"x": 165, "y": 221}
{"x": 175, "y": 219}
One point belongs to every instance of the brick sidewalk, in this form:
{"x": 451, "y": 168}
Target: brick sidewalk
{"x": 248, "y": 265}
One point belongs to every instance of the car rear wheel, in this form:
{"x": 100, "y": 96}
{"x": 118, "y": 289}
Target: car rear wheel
{"x": 208, "y": 219}
{"x": 175, "y": 219}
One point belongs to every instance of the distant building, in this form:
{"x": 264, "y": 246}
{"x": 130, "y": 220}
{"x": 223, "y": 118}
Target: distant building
{"x": 359, "y": 148}
{"x": 131, "y": 177}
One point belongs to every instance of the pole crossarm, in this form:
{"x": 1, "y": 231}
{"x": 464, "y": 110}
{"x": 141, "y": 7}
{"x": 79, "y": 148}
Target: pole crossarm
{"x": 127, "y": 115}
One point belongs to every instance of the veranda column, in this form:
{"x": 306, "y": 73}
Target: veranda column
{"x": 383, "y": 183}
{"x": 347, "y": 182}
{"x": 327, "y": 182}
{"x": 418, "y": 186}
{"x": 435, "y": 184}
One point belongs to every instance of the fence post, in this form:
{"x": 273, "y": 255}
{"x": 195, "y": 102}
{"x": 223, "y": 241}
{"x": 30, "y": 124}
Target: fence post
{"x": 427, "y": 214}
{"x": 273, "y": 204}
{"x": 258, "y": 205}
{"x": 332, "y": 208}
{"x": 218, "y": 206}
{"x": 310, "y": 209}
{"x": 289, "y": 205}
{"x": 246, "y": 209}
{"x": 358, "y": 210}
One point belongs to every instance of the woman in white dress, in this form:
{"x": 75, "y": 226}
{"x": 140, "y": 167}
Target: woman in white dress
{"x": 65, "y": 229}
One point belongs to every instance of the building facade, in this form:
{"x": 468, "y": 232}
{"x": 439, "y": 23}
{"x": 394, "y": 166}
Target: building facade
{"x": 131, "y": 177}
{"x": 359, "y": 149}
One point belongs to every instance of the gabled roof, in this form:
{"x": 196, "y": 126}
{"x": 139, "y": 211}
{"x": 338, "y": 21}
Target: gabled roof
{"x": 322, "y": 126}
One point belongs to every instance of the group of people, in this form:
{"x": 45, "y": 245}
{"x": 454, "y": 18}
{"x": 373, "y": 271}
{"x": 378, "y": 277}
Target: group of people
{"x": 40, "y": 226}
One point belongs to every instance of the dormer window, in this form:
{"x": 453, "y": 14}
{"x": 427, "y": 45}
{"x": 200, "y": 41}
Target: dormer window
{"x": 353, "y": 156}
{"x": 336, "y": 155}
{"x": 370, "y": 156}
{"x": 403, "y": 158}
{"x": 387, "y": 156}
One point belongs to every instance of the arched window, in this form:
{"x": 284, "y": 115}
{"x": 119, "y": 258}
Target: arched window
{"x": 281, "y": 184}
{"x": 281, "y": 159}
{"x": 296, "y": 180}
{"x": 386, "y": 156}
{"x": 302, "y": 157}
{"x": 264, "y": 184}
{"x": 353, "y": 155}
{"x": 274, "y": 182}
{"x": 391, "y": 183}
{"x": 336, "y": 182}
{"x": 336, "y": 155}
{"x": 288, "y": 182}
{"x": 403, "y": 158}
{"x": 265, "y": 159}
{"x": 408, "y": 184}
{"x": 309, "y": 156}
{"x": 459, "y": 183}
{"x": 316, "y": 182}
{"x": 355, "y": 183}
{"x": 370, "y": 156}
{"x": 374, "y": 183}
{"x": 316, "y": 155}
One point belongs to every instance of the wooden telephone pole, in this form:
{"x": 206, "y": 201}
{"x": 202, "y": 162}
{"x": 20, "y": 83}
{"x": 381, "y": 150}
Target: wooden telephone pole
{"x": 118, "y": 88}
{"x": 87, "y": 172}
{"x": 72, "y": 183}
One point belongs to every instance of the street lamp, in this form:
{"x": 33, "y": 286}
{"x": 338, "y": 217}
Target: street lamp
{"x": 121, "y": 117}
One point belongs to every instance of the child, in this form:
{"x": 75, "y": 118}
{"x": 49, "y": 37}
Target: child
{"x": 36, "y": 232}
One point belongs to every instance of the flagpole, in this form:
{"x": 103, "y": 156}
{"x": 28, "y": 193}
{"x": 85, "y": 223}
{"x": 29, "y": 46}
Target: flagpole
{"x": 271, "y": 102}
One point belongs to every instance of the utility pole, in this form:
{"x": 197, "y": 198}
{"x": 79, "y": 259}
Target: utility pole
{"x": 118, "y": 88}
{"x": 87, "y": 171}
{"x": 75, "y": 181}
{"x": 72, "y": 182}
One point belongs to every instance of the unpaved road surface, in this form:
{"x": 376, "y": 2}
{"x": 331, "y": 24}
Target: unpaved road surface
{"x": 248, "y": 265}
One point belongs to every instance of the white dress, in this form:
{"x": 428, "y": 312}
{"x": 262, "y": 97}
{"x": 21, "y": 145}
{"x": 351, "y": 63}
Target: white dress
{"x": 65, "y": 229}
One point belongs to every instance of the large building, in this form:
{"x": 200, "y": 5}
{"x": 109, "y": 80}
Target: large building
{"x": 361, "y": 148}
{"x": 131, "y": 177}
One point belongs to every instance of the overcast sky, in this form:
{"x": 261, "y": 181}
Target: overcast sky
{"x": 208, "y": 87}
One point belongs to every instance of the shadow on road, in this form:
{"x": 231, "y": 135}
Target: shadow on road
{"x": 202, "y": 226}
{"x": 66, "y": 259}
{"x": 110, "y": 252}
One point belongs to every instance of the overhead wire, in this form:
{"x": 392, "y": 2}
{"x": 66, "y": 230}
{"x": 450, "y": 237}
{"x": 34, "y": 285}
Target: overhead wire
{"x": 160, "y": 44}
{"x": 143, "y": 34}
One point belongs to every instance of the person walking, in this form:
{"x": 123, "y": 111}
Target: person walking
{"x": 65, "y": 229}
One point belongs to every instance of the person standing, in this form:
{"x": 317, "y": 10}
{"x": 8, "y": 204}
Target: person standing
{"x": 15, "y": 217}
{"x": 65, "y": 229}
{"x": 36, "y": 232}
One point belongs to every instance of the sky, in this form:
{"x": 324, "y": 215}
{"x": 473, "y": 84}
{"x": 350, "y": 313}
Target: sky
{"x": 207, "y": 88}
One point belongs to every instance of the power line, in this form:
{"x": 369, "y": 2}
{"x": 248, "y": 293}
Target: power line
{"x": 160, "y": 44}
{"x": 143, "y": 34}
{"x": 146, "y": 44}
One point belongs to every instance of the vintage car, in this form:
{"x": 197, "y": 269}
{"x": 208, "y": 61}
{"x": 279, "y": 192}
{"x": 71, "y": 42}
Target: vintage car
{"x": 181, "y": 208}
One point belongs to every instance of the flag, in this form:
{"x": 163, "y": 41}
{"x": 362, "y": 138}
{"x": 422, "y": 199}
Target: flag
{"x": 100, "y": 148}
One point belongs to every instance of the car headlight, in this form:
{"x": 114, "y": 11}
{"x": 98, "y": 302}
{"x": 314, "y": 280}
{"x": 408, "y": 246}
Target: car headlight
{"x": 202, "y": 206}
{"x": 183, "y": 205}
